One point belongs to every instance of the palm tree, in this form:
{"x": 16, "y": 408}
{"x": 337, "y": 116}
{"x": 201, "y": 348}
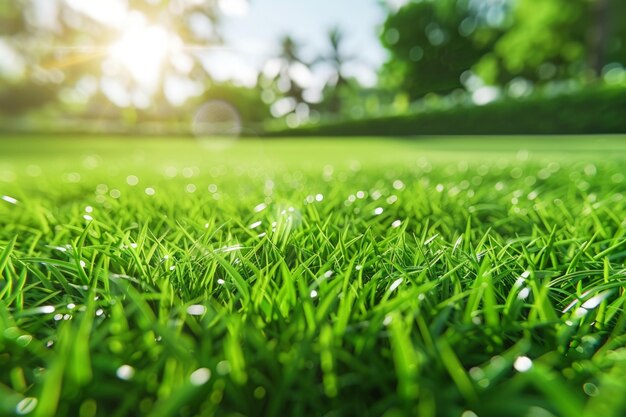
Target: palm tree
{"x": 290, "y": 58}
{"x": 337, "y": 60}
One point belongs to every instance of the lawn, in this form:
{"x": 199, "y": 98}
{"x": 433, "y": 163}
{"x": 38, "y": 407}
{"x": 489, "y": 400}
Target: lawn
{"x": 453, "y": 277}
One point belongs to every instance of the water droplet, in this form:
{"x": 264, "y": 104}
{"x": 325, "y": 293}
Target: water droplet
{"x": 99, "y": 312}
{"x": 259, "y": 208}
{"x": 24, "y": 340}
{"x": 396, "y": 224}
{"x": 132, "y": 180}
{"x": 125, "y": 372}
{"x": 220, "y": 281}
{"x": 523, "y": 294}
{"x": 196, "y": 310}
{"x": 223, "y": 368}
{"x": 87, "y": 217}
{"x": 190, "y": 188}
{"x": 26, "y": 406}
{"x": 398, "y": 185}
{"x": 9, "y": 199}
{"x": 88, "y": 209}
{"x": 392, "y": 199}
{"x": 319, "y": 197}
{"x": 396, "y": 284}
{"x": 378, "y": 211}
{"x": 150, "y": 191}
{"x": 255, "y": 225}
{"x": 313, "y": 294}
{"x": 591, "y": 389}
{"x": 523, "y": 364}
{"x": 46, "y": 310}
{"x": 200, "y": 376}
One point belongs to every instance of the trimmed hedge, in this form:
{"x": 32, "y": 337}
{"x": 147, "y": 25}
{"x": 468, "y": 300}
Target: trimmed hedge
{"x": 587, "y": 112}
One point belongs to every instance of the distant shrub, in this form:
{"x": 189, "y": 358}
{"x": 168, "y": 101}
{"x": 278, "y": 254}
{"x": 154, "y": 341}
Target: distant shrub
{"x": 600, "y": 110}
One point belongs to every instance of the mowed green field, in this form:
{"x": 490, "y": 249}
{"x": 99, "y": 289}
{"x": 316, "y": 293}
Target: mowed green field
{"x": 453, "y": 277}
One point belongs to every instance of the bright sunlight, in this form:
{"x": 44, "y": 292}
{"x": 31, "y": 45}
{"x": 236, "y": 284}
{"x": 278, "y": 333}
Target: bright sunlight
{"x": 142, "y": 50}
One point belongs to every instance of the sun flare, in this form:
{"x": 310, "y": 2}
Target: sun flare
{"x": 142, "y": 51}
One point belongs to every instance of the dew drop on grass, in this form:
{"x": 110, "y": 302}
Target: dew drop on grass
{"x": 46, "y": 310}
{"x": 313, "y": 294}
{"x": 196, "y": 310}
{"x": 200, "y": 376}
{"x": 26, "y": 406}
{"x": 524, "y": 293}
{"x": 125, "y": 372}
{"x": 378, "y": 211}
{"x": 255, "y": 225}
{"x": 395, "y": 284}
{"x": 591, "y": 389}
{"x": 150, "y": 191}
{"x": 9, "y": 199}
{"x": 523, "y": 364}
{"x": 132, "y": 180}
{"x": 220, "y": 281}
{"x": 24, "y": 340}
{"x": 223, "y": 367}
{"x": 396, "y": 224}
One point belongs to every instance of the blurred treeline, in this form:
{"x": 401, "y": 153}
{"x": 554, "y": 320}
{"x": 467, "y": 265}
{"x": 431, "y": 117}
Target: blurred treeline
{"x": 442, "y": 54}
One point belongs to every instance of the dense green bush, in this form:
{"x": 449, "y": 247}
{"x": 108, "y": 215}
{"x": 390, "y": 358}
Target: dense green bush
{"x": 591, "y": 111}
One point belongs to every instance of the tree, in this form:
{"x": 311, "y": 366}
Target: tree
{"x": 62, "y": 41}
{"x": 337, "y": 60}
{"x": 432, "y": 43}
{"x": 558, "y": 39}
{"x": 284, "y": 81}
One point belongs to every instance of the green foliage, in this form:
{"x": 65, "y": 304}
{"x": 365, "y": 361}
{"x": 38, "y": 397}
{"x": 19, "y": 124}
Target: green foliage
{"x": 546, "y": 41}
{"x": 246, "y": 100}
{"x": 432, "y": 43}
{"x": 368, "y": 278}
{"x": 590, "y": 111}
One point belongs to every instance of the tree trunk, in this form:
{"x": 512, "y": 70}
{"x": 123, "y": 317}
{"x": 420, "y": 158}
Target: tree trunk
{"x": 598, "y": 36}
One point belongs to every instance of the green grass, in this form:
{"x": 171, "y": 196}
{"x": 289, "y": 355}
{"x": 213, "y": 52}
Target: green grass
{"x": 437, "y": 277}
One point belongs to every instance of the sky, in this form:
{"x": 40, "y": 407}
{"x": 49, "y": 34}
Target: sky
{"x": 252, "y": 33}
{"x": 251, "y": 29}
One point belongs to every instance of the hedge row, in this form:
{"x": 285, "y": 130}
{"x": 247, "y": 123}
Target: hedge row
{"x": 588, "y": 112}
